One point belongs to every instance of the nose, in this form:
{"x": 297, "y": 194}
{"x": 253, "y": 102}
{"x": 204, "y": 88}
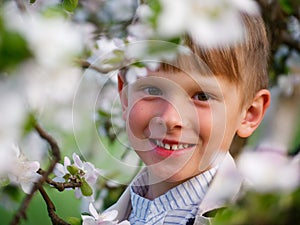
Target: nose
{"x": 166, "y": 121}
{"x": 171, "y": 117}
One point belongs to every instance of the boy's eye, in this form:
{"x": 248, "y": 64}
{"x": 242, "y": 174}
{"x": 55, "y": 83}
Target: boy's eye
{"x": 201, "y": 96}
{"x": 153, "y": 91}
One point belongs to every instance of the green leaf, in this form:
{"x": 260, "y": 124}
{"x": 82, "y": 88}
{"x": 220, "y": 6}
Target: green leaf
{"x": 70, "y": 5}
{"x": 32, "y": 1}
{"x": 72, "y": 169}
{"x": 103, "y": 113}
{"x": 55, "y": 11}
{"x": 287, "y": 6}
{"x": 156, "y": 8}
{"x": 13, "y": 50}
{"x": 118, "y": 58}
{"x": 29, "y": 123}
{"x": 66, "y": 177}
{"x": 4, "y": 182}
{"x": 74, "y": 221}
{"x": 86, "y": 188}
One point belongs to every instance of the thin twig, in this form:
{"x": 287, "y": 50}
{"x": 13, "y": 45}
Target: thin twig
{"x": 56, "y": 220}
{"x": 86, "y": 65}
{"x": 59, "y": 185}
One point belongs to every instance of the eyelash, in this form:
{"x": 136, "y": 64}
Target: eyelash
{"x": 203, "y": 96}
{"x": 155, "y": 91}
{"x": 150, "y": 89}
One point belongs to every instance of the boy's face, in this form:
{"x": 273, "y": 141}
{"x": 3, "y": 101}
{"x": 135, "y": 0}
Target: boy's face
{"x": 180, "y": 123}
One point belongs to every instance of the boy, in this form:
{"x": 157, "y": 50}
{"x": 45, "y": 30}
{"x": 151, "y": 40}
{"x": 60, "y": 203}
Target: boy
{"x": 181, "y": 120}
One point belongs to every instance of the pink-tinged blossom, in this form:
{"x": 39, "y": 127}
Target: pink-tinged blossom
{"x": 268, "y": 171}
{"x": 106, "y": 218}
{"x": 61, "y": 170}
{"x": 23, "y": 172}
{"x": 90, "y": 172}
{"x": 86, "y": 170}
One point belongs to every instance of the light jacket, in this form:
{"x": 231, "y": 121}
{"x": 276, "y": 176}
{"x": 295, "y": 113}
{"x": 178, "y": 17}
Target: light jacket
{"x": 224, "y": 187}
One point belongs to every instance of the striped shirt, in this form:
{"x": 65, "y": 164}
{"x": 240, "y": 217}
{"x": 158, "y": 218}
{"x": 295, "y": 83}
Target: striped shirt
{"x": 176, "y": 206}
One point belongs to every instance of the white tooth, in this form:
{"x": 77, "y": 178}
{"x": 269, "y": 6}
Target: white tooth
{"x": 180, "y": 146}
{"x": 167, "y": 146}
{"x": 186, "y": 146}
{"x": 174, "y": 147}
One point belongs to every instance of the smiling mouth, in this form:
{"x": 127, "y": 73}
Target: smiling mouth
{"x": 170, "y": 146}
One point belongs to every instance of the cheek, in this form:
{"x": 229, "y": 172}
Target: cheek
{"x": 138, "y": 115}
{"x": 212, "y": 127}
{"x": 204, "y": 124}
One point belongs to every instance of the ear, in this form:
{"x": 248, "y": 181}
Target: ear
{"x": 254, "y": 113}
{"x": 122, "y": 93}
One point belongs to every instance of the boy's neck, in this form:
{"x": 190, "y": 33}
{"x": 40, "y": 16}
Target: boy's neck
{"x": 158, "y": 189}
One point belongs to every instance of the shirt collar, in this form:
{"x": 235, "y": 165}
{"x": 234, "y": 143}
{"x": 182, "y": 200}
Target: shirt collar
{"x": 189, "y": 193}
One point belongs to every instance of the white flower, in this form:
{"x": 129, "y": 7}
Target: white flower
{"x": 23, "y": 172}
{"x": 209, "y": 22}
{"x": 85, "y": 169}
{"x": 90, "y": 172}
{"x": 47, "y": 87}
{"x": 60, "y": 170}
{"x": 109, "y": 53}
{"x": 134, "y": 72}
{"x": 106, "y": 218}
{"x": 12, "y": 114}
{"x": 6, "y": 162}
{"x": 54, "y": 41}
{"x": 268, "y": 171}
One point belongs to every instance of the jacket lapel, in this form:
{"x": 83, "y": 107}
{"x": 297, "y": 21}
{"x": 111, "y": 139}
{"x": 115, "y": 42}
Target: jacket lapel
{"x": 223, "y": 189}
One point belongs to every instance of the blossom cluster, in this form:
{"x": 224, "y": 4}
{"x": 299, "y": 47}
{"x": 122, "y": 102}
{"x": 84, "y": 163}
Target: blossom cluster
{"x": 84, "y": 173}
{"x": 17, "y": 169}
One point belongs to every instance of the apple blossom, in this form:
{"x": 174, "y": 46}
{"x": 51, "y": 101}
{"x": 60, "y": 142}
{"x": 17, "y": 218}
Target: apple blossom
{"x": 109, "y": 53}
{"x": 79, "y": 171}
{"x": 54, "y": 41}
{"x": 22, "y": 171}
{"x": 106, "y": 218}
{"x": 134, "y": 72}
{"x": 268, "y": 171}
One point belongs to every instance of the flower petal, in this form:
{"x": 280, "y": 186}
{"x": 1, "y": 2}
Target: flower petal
{"x": 93, "y": 211}
{"x": 67, "y": 161}
{"x": 77, "y": 160}
{"x": 109, "y": 215}
{"x": 59, "y": 170}
{"x": 125, "y": 222}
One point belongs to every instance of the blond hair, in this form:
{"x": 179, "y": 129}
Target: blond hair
{"x": 244, "y": 63}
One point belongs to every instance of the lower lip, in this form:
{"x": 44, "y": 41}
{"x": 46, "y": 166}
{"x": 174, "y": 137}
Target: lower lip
{"x": 167, "y": 153}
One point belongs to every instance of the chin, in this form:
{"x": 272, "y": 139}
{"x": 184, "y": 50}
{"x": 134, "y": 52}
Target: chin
{"x": 169, "y": 176}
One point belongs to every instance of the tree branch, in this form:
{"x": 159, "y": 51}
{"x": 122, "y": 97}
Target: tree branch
{"x": 86, "y": 65}
{"x": 56, "y": 220}
{"x": 59, "y": 185}
{"x": 21, "y": 213}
